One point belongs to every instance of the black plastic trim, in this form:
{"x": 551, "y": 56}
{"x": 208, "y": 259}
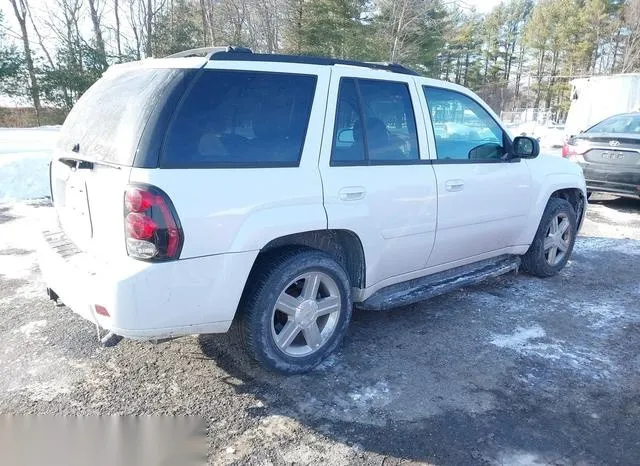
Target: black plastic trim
{"x": 379, "y": 163}
{"x": 468, "y": 162}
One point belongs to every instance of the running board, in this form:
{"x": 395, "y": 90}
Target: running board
{"x": 413, "y": 291}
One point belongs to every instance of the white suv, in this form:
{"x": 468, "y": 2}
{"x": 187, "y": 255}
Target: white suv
{"x": 273, "y": 192}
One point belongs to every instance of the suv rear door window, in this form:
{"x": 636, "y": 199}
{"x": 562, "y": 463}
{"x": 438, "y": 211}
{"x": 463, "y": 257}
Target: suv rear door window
{"x": 241, "y": 119}
{"x": 389, "y": 133}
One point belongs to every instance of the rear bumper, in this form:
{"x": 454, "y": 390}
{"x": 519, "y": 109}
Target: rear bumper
{"x": 145, "y": 300}
{"x": 612, "y": 179}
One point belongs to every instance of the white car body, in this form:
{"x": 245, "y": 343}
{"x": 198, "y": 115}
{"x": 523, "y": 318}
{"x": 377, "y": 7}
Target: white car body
{"x": 412, "y": 220}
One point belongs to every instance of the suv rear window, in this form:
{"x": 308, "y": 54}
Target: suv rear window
{"x": 108, "y": 120}
{"x": 241, "y": 119}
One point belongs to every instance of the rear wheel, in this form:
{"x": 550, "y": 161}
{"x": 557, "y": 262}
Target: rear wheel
{"x": 553, "y": 244}
{"x": 296, "y": 311}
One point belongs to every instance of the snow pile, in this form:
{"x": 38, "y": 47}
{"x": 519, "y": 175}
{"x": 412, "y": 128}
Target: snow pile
{"x": 24, "y": 162}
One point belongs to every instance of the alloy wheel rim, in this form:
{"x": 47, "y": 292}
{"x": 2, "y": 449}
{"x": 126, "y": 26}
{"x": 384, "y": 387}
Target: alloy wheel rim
{"x": 557, "y": 240}
{"x": 306, "y": 314}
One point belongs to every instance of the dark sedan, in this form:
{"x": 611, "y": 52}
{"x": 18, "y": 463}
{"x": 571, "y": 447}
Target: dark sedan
{"x": 609, "y": 154}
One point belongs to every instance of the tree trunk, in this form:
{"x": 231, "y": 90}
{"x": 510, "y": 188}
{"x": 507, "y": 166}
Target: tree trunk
{"x": 149, "y": 22}
{"x": 616, "y": 47}
{"x": 486, "y": 67}
{"x": 95, "y": 20}
{"x": 466, "y": 68}
{"x": 543, "y": 54}
{"x": 203, "y": 13}
{"x": 118, "y": 43}
{"x": 516, "y": 96}
{"x": 21, "y": 15}
{"x": 554, "y": 70}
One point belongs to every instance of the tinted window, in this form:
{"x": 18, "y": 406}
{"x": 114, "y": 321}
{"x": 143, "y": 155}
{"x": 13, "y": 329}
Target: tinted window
{"x": 463, "y": 129}
{"x": 239, "y": 118}
{"x": 390, "y": 123}
{"x": 348, "y": 143}
{"x": 618, "y": 124}
{"x": 389, "y": 127}
{"x": 109, "y": 118}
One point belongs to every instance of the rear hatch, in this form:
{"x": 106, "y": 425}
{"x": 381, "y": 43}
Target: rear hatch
{"x": 99, "y": 143}
{"x": 615, "y": 150}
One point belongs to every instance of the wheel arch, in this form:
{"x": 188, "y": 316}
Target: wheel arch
{"x": 576, "y": 198}
{"x": 557, "y": 186}
{"x": 344, "y": 246}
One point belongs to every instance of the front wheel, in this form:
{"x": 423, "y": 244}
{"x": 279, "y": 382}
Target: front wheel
{"x": 553, "y": 244}
{"x": 296, "y": 310}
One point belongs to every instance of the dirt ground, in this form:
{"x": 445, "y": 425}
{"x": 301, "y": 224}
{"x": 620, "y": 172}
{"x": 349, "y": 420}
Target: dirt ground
{"x": 516, "y": 371}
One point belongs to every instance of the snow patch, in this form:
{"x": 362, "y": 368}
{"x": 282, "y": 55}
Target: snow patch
{"x": 328, "y": 363}
{"x": 24, "y": 176}
{"x": 377, "y": 395}
{"x": 519, "y": 458}
{"x": 520, "y": 339}
{"x": 589, "y": 245}
{"x": 24, "y": 162}
{"x": 31, "y": 328}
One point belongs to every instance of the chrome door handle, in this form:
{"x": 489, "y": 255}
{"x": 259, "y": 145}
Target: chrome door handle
{"x": 352, "y": 193}
{"x": 454, "y": 185}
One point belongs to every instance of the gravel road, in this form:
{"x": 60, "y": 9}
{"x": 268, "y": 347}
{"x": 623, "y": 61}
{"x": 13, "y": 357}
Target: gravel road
{"x": 514, "y": 371}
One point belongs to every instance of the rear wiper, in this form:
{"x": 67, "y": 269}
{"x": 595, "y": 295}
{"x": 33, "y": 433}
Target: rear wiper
{"x": 79, "y": 163}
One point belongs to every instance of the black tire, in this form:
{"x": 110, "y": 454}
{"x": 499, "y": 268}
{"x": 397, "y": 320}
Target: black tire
{"x": 535, "y": 260}
{"x": 272, "y": 275}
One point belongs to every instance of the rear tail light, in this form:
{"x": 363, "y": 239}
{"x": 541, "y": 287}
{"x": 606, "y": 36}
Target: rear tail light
{"x": 101, "y": 310}
{"x": 568, "y": 150}
{"x": 572, "y": 151}
{"x": 152, "y": 227}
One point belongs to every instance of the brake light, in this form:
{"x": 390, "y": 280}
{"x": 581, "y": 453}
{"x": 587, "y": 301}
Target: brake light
{"x": 568, "y": 150}
{"x": 152, "y": 227}
{"x": 573, "y": 150}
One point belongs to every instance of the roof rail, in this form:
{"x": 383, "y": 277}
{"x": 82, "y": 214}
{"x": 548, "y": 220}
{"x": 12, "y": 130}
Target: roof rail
{"x": 234, "y": 55}
{"x": 207, "y": 52}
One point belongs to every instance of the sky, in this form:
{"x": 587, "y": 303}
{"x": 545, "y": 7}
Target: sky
{"x": 483, "y": 6}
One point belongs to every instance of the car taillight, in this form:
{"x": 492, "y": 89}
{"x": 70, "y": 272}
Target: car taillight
{"x": 568, "y": 150}
{"x": 152, "y": 227}
{"x": 573, "y": 150}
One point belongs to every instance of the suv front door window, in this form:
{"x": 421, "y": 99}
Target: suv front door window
{"x": 463, "y": 129}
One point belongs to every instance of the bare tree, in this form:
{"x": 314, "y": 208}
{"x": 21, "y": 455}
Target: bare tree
{"x": 631, "y": 56}
{"x": 150, "y": 10}
{"x": 403, "y": 20}
{"x": 94, "y": 10}
{"x": 21, "y": 9}
{"x": 116, "y": 12}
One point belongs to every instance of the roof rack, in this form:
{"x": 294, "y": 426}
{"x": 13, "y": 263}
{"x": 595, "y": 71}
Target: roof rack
{"x": 233, "y": 53}
{"x": 245, "y": 54}
{"x": 208, "y": 52}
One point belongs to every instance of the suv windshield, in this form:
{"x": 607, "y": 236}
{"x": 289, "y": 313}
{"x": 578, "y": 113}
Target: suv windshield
{"x": 109, "y": 118}
{"x": 618, "y": 124}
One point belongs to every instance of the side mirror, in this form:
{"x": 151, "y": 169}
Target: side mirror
{"x": 525, "y": 147}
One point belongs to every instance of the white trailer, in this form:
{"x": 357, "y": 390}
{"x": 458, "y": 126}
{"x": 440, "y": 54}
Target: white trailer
{"x": 599, "y": 97}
